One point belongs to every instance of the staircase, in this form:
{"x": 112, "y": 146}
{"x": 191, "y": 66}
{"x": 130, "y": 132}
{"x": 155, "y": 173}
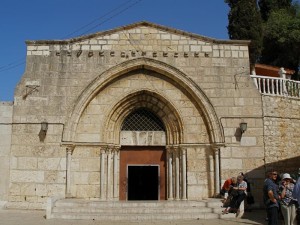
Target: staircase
{"x": 136, "y": 210}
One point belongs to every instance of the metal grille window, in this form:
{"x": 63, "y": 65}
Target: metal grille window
{"x": 142, "y": 120}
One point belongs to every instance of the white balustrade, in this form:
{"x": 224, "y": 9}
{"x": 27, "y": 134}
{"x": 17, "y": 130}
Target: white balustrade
{"x": 277, "y": 86}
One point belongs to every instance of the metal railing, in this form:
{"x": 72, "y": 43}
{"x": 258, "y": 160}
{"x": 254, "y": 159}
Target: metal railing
{"x": 277, "y": 86}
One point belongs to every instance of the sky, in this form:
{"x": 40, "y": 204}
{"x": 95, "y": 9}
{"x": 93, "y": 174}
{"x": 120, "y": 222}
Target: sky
{"x": 22, "y": 20}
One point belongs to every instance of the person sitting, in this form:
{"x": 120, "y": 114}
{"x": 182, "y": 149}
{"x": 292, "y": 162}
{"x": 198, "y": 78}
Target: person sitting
{"x": 226, "y": 187}
{"x": 239, "y": 194}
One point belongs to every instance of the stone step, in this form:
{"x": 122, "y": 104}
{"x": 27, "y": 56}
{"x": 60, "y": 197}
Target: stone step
{"x": 155, "y": 204}
{"x": 138, "y": 210}
{"x": 137, "y": 217}
{"x": 128, "y": 210}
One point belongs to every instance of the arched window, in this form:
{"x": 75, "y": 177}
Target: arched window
{"x": 142, "y": 120}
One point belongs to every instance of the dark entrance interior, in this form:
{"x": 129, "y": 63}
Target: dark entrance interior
{"x": 143, "y": 182}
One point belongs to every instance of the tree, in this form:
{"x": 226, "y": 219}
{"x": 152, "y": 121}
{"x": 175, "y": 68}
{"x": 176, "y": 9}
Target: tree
{"x": 282, "y": 39}
{"x": 267, "y": 6}
{"x": 245, "y": 24}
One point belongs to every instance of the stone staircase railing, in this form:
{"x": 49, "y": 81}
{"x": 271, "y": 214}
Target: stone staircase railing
{"x": 277, "y": 86}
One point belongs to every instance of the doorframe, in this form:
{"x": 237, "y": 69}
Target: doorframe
{"x": 158, "y": 174}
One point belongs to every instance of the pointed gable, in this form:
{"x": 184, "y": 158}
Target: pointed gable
{"x": 142, "y": 37}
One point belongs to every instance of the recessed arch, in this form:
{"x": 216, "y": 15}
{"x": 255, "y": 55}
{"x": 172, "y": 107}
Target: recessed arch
{"x": 144, "y": 99}
{"x": 199, "y": 98}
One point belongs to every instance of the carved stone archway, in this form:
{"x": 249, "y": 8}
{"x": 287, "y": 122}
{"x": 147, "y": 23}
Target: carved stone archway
{"x": 176, "y": 157}
{"x": 182, "y": 80}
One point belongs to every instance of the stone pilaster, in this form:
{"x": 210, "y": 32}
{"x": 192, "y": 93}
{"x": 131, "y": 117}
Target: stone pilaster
{"x": 109, "y": 172}
{"x": 69, "y": 152}
{"x": 109, "y": 190}
{"x": 176, "y": 155}
{"x": 102, "y": 172}
{"x": 183, "y": 173}
{"x": 116, "y": 173}
{"x": 216, "y": 151}
{"x": 170, "y": 173}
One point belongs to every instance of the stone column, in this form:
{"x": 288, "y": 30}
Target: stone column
{"x": 102, "y": 172}
{"x": 177, "y": 173}
{"x": 116, "y": 172}
{"x": 170, "y": 173}
{"x": 69, "y": 151}
{"x": 183, "y": 173}
{"x": 211, "y": 173}
{"x": 217, "y": 169}
{"x": 108, "y": 180}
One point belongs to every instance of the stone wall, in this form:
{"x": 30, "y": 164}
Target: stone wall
{"x": 6, "y": 110}
{"x": 281, "y": 133}
{"x": 38, "y": 167}
{"x": 200, "y": 175}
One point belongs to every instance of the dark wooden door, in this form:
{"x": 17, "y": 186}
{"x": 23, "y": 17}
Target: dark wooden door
{"x": 141, "y": 156}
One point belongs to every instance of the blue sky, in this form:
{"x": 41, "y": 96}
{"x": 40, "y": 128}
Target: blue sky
{"x": 22, "y": 20}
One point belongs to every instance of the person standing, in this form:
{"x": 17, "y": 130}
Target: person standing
{"x": 288, "y": 203}
{"x": 296, "y": 195}
{"x": 270, "y": 195}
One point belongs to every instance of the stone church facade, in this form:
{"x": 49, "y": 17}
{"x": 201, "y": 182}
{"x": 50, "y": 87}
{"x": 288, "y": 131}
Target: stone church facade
{"x": 140, "y": 112}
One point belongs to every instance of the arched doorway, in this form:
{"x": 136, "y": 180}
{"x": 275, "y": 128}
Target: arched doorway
{"x": 188, "y": 116}
{"x": 142, "y": 167}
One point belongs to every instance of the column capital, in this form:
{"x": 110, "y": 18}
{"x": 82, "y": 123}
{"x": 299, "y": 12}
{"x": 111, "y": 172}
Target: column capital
{"x": 216, "y": 147}
{"x": 183, "y": 150}
{"x": 70, "y": 149}
{"x": 172, "y": 148}
{"x": 116, "y": 148}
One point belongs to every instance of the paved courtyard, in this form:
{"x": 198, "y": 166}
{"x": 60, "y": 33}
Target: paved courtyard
{"x": 29, "y": 217}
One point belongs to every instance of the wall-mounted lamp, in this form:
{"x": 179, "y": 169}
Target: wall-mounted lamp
{"x": 243, "y": 127}
{"x": 44, "y": 126}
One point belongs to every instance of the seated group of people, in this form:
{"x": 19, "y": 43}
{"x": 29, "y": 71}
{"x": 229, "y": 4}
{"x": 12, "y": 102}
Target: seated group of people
{"x": 234, "y": 192}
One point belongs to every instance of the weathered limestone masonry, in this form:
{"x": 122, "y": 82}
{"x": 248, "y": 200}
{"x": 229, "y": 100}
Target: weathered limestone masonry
{"x": 84, "y": 88}
{"x": 281, "y": 133}
{"x": 6, "y": 110}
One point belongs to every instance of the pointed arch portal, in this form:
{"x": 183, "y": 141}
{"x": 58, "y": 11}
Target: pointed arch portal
{"x": 162, "y": 152}
{"x": 182, "y": 80}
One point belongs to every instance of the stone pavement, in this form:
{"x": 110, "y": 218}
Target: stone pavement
{"x": 30, "y": 217}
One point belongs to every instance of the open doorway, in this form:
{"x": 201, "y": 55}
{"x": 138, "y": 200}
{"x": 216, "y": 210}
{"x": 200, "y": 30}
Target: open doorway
{"x": 143, "y": 182}
{"x": 144, "y": 163}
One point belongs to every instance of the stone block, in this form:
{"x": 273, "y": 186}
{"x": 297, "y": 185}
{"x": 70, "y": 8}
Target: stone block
{"x": 92, "y": 164}
{"x": 52, "y": 163}
{"x": 27, "y": 176}
{"x": 28, "y": 189}
{"x": 56, "y": 190}
{"x": 41, "y": 189}
{"x": 231, "y": 164}
{"x": 207, "y": 48}
{"x": 27, "y": 163}
{"x": 55, "y": 177}
{"x": 248, "y": 141}
{"x": 196, "y": 48}
{"x": 88, "y": 191}
{"x": 80, "y": 178}
{"x": 94, "y": 178}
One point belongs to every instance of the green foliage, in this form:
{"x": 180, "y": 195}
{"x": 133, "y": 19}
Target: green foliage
{"x": 273, "y": 28}
{"x": 267, "y": 6}
{"x": 282, "y": 38}
{"x": 245, "y": 24}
